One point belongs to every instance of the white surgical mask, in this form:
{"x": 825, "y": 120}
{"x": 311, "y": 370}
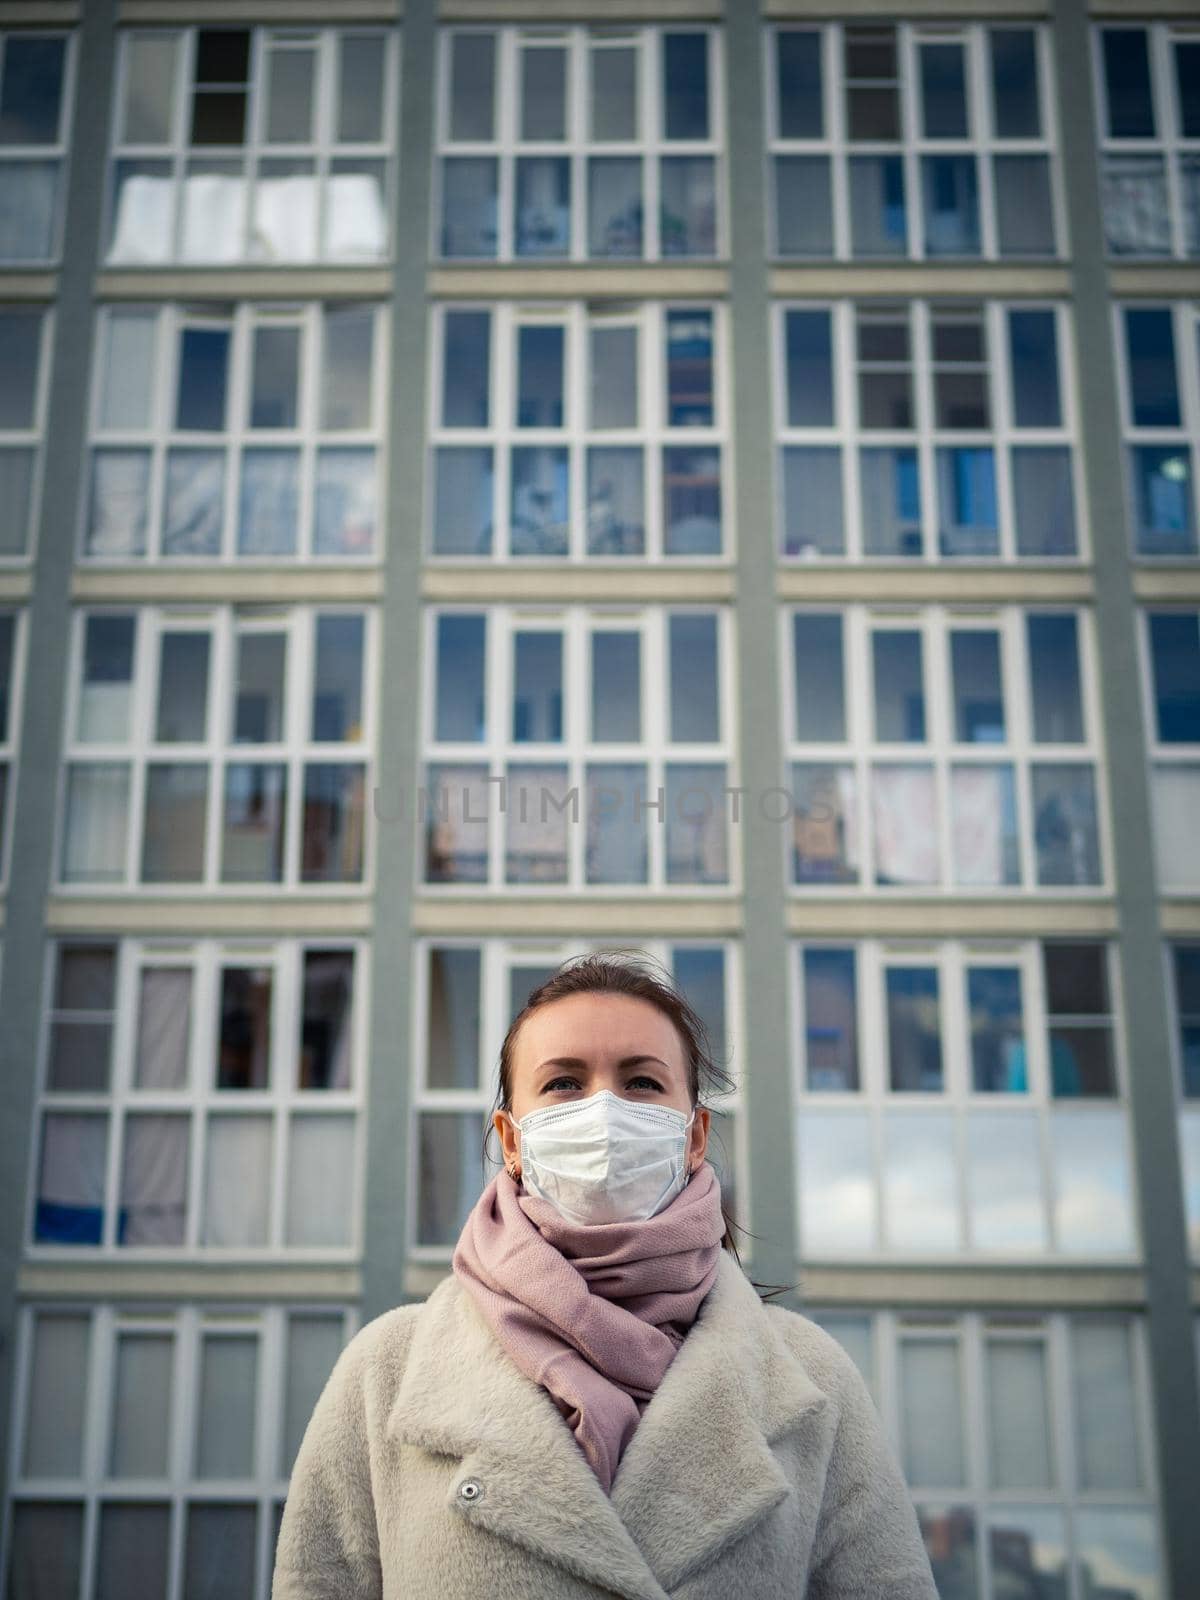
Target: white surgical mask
{"x": 605, "y": 1159}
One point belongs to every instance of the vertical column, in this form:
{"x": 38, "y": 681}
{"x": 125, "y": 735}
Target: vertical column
{"x": 389, "y": 1072}
{"x": 45, "y": 662}
{"x": 767, "y": 1068}
{"x": 1152, "y": 1091}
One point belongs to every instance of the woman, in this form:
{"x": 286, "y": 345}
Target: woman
{"x": 595, "y": 1401}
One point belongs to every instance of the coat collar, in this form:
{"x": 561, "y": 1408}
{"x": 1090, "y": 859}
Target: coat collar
{"x": 733, "y": 1387}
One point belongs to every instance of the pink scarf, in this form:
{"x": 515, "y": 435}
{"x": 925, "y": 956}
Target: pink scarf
{"x": 594, "y": 1313}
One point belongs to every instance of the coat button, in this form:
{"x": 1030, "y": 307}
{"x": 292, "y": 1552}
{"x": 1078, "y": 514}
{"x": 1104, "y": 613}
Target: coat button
{"x": 470, "y": 1489}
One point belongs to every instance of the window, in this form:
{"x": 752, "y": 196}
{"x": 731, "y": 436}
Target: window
{"x": 935, "y": 749}
{"x": 1172, "y": 640}
{"x": 1148, "y": 104}
{"x": 247, "y": 434}
{"x": 252, "y": 145}
{"x": 915, "y": 430}
{"x": 200, "y": 1096}
{"x": 543, "y": 703}
{"x": 960, "y": 1098}
{"x": 246, "y": 762}
{"x": 1184, "y": 989}
{"x": 577, "y": 432}
{"x": 1158, "y": 356}
{"x": 24, "y": 343}
{"x": 35, "y": 94}
{"x": 11, "y": 660}
{"x": 153, "y": 1442}
{"x": 916, "y": 140}
{"x": 579, "y": 143}
{"x": 468, "y": 992}
{"x": 1026, "y": 1439}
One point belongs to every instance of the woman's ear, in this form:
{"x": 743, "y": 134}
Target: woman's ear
{"x": 698, "y": 1139}
{"x": 510, "y": 1138}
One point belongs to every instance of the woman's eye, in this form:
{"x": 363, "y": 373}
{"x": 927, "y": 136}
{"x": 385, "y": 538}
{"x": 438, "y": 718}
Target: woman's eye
{"x": 559, "y": 1083}
{"x": 642, "y": 1078}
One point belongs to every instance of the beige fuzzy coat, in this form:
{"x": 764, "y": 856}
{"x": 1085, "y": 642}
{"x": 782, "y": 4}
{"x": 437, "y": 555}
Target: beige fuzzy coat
{"x": 432, "y": 1467}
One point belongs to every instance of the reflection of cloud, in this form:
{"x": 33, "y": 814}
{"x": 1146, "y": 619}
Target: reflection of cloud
{"x": 1119, "y": 1550}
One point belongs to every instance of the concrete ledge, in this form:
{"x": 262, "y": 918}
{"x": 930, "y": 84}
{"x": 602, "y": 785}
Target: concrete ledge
{"x": 1152, "y": 277}
{"x": 576, "y": 581}
{"x": 776, "y": 9}
{"x": 54, "y": 13}
{"x": 245, "y": 283}
{"x": 495, "y": 280}
{"x": 1049, "y": 1287}
{"x": 921, "y": 581}
{"x": 842, "y": 278}
{"x": 208, "y": 913}
{"x": 285, "y": 11}
{"x": 146, "y": 582}
{"x": 1025, "y": 915}
{"x": 591, "y": 914}
{"x": 157, "y": 1280}
{"x": 27, "y": 285}
{"x": 16, "y": 584}
{"x": 1180, "y": 917}
{"x": 600, "y": 11}
{"x": 1167, "y": 583}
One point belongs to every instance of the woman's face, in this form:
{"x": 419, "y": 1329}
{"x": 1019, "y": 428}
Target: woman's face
{"x": 573, "y": 1048}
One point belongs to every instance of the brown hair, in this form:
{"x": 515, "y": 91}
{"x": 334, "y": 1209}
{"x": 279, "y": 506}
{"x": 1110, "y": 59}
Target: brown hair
{"x": 631, "y": 972}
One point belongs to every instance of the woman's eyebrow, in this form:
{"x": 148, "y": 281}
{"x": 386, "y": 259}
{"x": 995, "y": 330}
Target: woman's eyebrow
{"x": 577, "y": 1061}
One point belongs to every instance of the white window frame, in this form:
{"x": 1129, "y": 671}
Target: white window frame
{"x": 650, "y": 146}
{"x": 1185, "y": 334}
{"x": 321, "y": 150}
{"x": 1167, "y": 142}
{"x": 160, "y": 437}
{"x": 861, "y": 751}
{"x": 56, "y": 151}
{"x": 654, "y": 751}
{"x": 981, "y": 141}
{"x": 296, "y": 751}
{"x": 200, "y": 1101}
{"x": 848, "y": 436}
{"x": 498, "y": 957}
{"x": 1163, "y": 756}
{"x": 33, "y": 437}
{"x": 652, "y": 435}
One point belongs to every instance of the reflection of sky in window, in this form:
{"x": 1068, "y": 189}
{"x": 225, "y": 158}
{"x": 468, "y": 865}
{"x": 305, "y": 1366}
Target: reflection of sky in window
{"x": 1118, "y": 1551}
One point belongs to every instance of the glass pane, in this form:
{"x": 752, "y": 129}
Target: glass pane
{"x": 950, "y": 189}
{"x": 978, "y": 689}
{"x": 203, "y": 372}
{"x": 914, "y": 1028}
{"x": 219, "y": 1555}
{"x": 700, "y": 974}
{"x": 95, "y": 830}
{"x": 984, "y": 845}
{"x": 1033, "y": 355}
{"x": 616, "y": 846}
{"x": 830, "y": 1019}
{"x": 460, "y": 708}
{"x": 1162, "y": 512}
{"x": 687, "y": 206}
{"x": 28, "y": 210}
{"x": 819, "y": 687}
{"x": 695, "y": 708}
{"x": 798, "y": 62}
{"x": 154, "y": 1181}
{"x": 943, "y": 91}
{"x": 472, "y": 85}
{"x": 539, "y": 522}
{"x": 1065, "y": 825}
{"x": 31, "y": 89}
{"x": 685, "y": 85}
{"x": 275, "y": 382}
{"x": 321, "y": 1181}
{"x": 313, "y": 1346}
{"x": 469, "y": 217}
{"x": 143, "y": 212}
{"x": 1186, "y": 964}
{"x": 870, "y": 53}
{"x": 332, "y": 826}
{"x": 163, "y": 1028}
{"x": 175, "y": 822}
{"x": 1076, "y": 979}
{"x": 1175, "y": 665}
{"x": 535, "y": 830}
{"x": 356, "y": 210}
{"x": 346, "y": 374}
{"x": 813, "y": 515}
{"x": 139, "y": 1437}
{"x": 1006, "y": 1205}
{"x": 543, "y": 92}
{"x": 1137, "y": 214}
{"x": 362, "y": 59}
{"x": 194, "y": 513}
{"x": 237, "y": 1186}
{"x": 289, "y": 95}
{"x": 149, "y": 111}
{"x": 837, "y": 1184}
{"x": 689, "y": 350}
{"x": 466, "y": 340}
{"x": 182, "y": 688}
{"x": 1106, "y": 1424}
{"x": 337, "y": 677}
{"x": 244, "y": 1045}
{"x": 1024, "y": 206}
{"x": 616, "y": 675}
{"x": 616, "y": 501}
{"x": 16, "y": 490}
{"x": 258, "y": 703}
{"x": 1054, "y": 684}
{"x": 614, "y": 376}
{"x": 448, "y": 1174}
{"x": 20, "y": 344}
{"x": 252, "y": 834}
{"x": 117, "y": 511}
{"x": 995, "y": 1014}
{"x": 81, "y": 1030}
{"x": 56, "y": 1396}
{"x": 1043, "y": 500}
{"x": 891, "y": 501}
{"x": 1028, "y": 1550}
{"x": 697, "y": 835}
{"x": 1123, "y": 1545}
{"x": 452, "y": 1058}
{"x": 1093, "y": 1201}
{"x": 540, "y": 376}
{"x": 133, "y": 1550}
{"x": 614, "y": 96}
{"x": 537, "y": 704}
{"x": 456, "y": 824}
{"x": 899, "y": 696}
{"x": 346, "y": 512}
{"x": 615, "y": 216}
{"x": 542, "y": 221}
{"x": 931, "y": 1413}
{"x": 825, "y": 845}
{"x": 1153, "y": 380}
{"x": 226, "y": 1406}
{"x": 968, "y": 517}
{"x": 803, "y": 206}
{"x": 462, "y": 508}
{"x": 269, "y": 506}
{"x": 1127, "y": 83}
{"x": 326, "y": 1025}
{"x": 692, "y": 501}
{"x": 808, "y": 348}
{"x": 1018, "y": 1412}
{"x": 878, "y": 212}
{"x": 46, "y": 1549}
{"x": 70, "y": 1186}
{"x": 1014, "y": 75}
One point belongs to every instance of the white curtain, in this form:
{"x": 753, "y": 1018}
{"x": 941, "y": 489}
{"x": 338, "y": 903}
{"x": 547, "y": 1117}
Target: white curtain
{"x": 904, "y": 805}
{"x": 1018, "y": 1403}
{"x": 320, "y": 1180}
{"x": 164, "y": 1022}
{"x": 213, "y": 205}
{"x": 285, "y": 217}
{"x": 237, "y": 1188}
{"x": 154, "y": 1180}
{"x": 142, "y": 232}
{"x": 355, "y": 217}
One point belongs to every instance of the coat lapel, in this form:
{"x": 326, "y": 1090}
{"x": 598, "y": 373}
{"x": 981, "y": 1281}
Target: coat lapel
{"x": 697, "y": 1474}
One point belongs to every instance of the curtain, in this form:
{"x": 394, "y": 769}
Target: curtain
{"x": 164, "y": 1024}
{"x": 154, "y": 1180}
{"x": 237, "y": 1195}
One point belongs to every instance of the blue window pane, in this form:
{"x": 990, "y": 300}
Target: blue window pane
{"x": 689, "y": 369}
{"x": 1187, "y": 81}
{"x": 695, "y": 688}
{"x": 616, "y": 501}
{"x": 616, "y": 215}
{"x": 540, "y": 501}
{"x": 943, "y": 91}
{"x": 803, "y": 206}
{"x": 808, "y": 342}
{"x": 878, "y": 222}
{"x": 691, "y": 501}
{"x": 699, "y": 971}
{"x": 31, "y": 89}
{"x": 542, "y": 225}
{"x": 1015, "y": 110}
{"x": 540, "y": 377}
{"x": 462, "y": 501}
{"x": 472, "y": 86}
{"x": 798, "y": 64}
{"x": 967, "y": 515}
{"x": 460, "y": 711}
{"x": 1187, "y": 1005}
{"x": 977, "y": 686}
{"x": 469, "y": 223}
{"x": 1043, "y": 500}
{"x": 1054, "y": 684}
{"x": 817, "y": 661}
{"x": 466, "y": 369}
{"x": 1163, "y": 513}
{"x": 1033, "y": 355}
{"x": 914, "y": 1028}
{"x": 1175, "y": 662}
{"x": 203, "y": 365}
{"x": 951, "y": 192}
{"x": 1065, "y": 826}
{"x": 830, "y": 1019}
{"x": 1127, "y": 83}
{"x": 537, "y": 703}
{"x": 685, "y": 85}
{"x": 899, "y": 691}
{"x": 688, "y": 206}
{"x": 1024, "y": 207}
{"x": 1153, "y": 381}
{"x": 998, "y": 1060}
{"x": 813, "y": 515}
{"x": 891, "y": 501}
